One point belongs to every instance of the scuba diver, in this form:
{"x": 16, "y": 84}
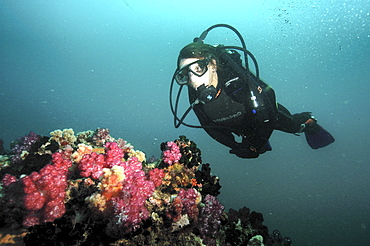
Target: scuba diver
{"x": 230, "y": 100}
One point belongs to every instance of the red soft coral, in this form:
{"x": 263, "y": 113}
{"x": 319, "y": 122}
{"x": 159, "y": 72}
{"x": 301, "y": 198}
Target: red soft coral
{"x": 45, "y": 190}
{"x": 156, "y": 175}
{"x": 91, "y": 165}
{"x": 8, "y": 179}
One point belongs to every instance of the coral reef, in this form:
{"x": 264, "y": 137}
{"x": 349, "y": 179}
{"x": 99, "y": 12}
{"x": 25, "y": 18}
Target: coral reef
{"x": 92, "y": 189}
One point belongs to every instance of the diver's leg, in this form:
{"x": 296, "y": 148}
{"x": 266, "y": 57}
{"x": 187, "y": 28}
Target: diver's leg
{"x": 316, "y": 136}
{"x": 290, "y": 123}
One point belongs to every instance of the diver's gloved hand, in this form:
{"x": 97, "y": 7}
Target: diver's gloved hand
{"x": 244, "y": 152}
{"x": 265, "y": 148}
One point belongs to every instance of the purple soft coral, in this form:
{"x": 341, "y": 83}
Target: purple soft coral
{"x": 23, "y": 145}
{"x": 210, "y": 220}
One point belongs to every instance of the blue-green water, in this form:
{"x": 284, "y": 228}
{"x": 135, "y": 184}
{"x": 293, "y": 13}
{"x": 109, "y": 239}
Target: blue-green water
{"x": 89, "y": 64}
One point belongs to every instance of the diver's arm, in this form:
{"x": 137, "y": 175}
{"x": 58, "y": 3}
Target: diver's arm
{"x": 221, "y": 135}
{"x": 224, "y": 137}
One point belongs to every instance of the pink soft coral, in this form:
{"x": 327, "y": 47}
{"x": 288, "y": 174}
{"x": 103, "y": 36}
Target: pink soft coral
{"x": 172, "y": 154}
{"x": 129, "y": 207}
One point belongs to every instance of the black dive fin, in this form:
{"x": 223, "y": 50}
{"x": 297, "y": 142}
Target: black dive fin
{"x": 317, "y": 137}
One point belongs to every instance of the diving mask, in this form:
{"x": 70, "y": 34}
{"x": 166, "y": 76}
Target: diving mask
{"x": 198, "y": 68}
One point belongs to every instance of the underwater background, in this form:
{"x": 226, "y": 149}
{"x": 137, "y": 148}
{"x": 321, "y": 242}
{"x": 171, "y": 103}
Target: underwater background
{"x": 108, "y": 64}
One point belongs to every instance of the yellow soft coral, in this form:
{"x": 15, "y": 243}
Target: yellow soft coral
{"x": 138, "y": 154}
{"x": 65, "y": 137}
{"x": 98, "y": 201}
{"x": 110, "y": 185}
{"x": 159, "y": 199}
{"x": 111, "y": 181}
{"x": 83, "y": 137}
{"x": 81, "y": 151}
{"x": 12, "y": 236}
{"x": 179, "y": 176}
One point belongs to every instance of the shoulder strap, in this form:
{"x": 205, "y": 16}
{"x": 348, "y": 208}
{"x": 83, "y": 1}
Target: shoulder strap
{"x": 232, "y": 63}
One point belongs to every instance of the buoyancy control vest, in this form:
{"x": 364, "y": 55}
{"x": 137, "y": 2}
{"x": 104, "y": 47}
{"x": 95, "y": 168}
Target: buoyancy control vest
{"x": 224, "y": 110}
{"x": 244, "y": 87}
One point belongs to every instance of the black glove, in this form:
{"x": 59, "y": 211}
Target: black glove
{"x": 244, "y": 152}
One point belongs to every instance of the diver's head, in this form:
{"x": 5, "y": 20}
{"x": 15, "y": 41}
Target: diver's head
{"x": 197, "y": 50}
{"x": 197, "y": 65}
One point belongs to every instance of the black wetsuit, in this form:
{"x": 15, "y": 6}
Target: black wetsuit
{"x": 231, "y": 112}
